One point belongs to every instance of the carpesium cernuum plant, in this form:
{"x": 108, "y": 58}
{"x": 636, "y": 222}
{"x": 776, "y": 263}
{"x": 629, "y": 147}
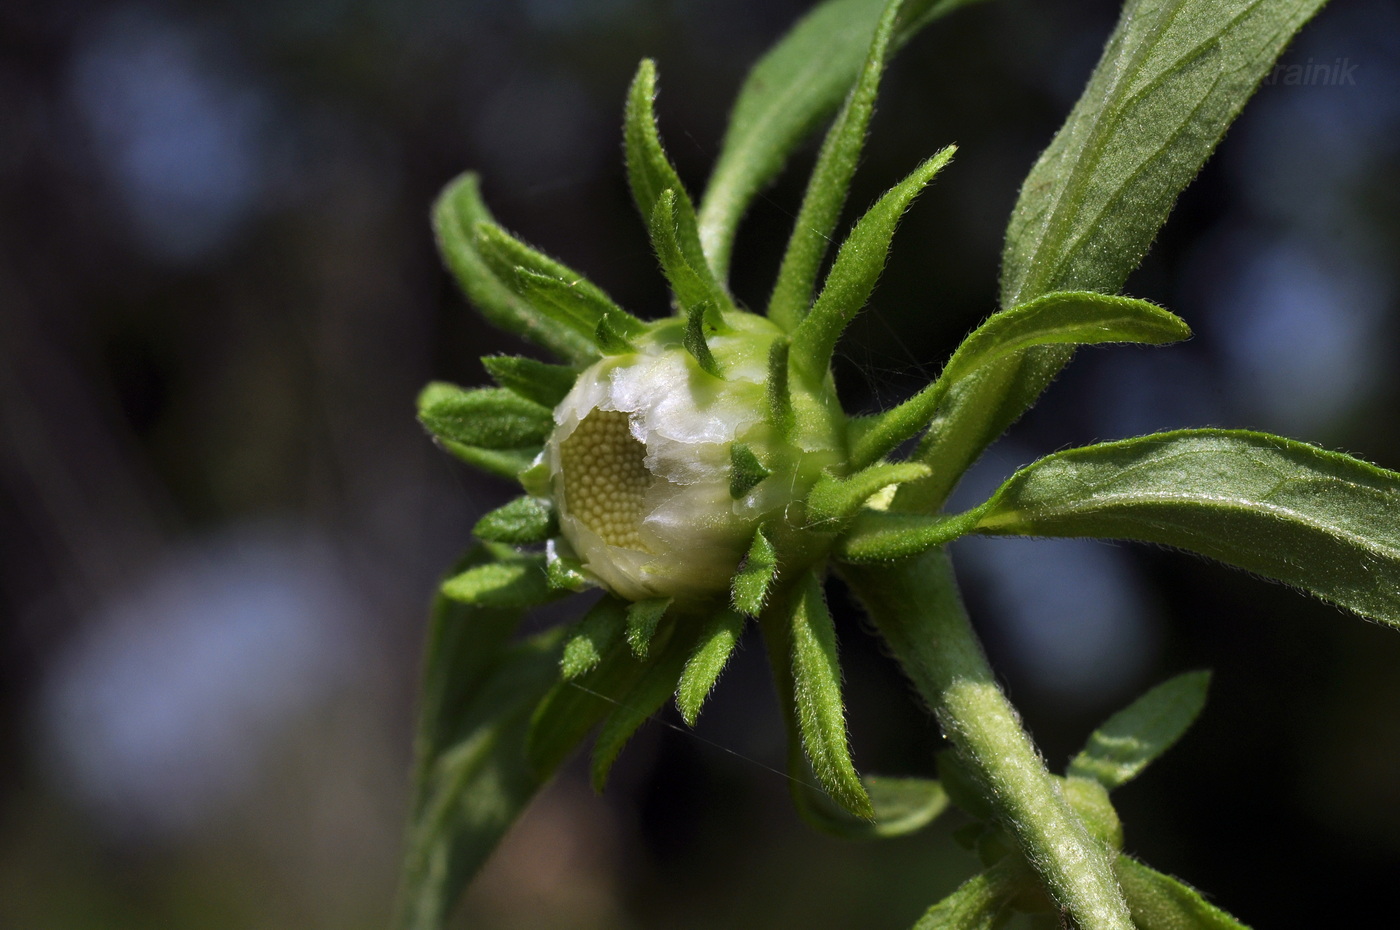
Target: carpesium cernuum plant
{"x": 699, "y": 469}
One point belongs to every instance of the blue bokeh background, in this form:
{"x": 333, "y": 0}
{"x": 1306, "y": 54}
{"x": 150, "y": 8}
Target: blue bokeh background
{"x": 220, "y": 524}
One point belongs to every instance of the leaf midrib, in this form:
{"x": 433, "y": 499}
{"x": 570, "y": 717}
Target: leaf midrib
{"x": 1090, "y": 154}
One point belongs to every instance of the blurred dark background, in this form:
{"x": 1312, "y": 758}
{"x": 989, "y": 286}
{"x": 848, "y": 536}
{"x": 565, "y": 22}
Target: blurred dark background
{"x": 220, "y": 524}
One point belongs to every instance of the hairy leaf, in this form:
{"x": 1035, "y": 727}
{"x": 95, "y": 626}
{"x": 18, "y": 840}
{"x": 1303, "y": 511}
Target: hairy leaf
{"x": 1066, "y": 317}
{"x": 876, "y": 536}
{"x": 508, "y": 463}
{"x": 545, "y": 384}
{"x": 611, "y": 337}
{"x": 749, "y": 590}
{"x": 829, "y": 181}
{"x": 787, "y": 95}
{"x": 1172, "y": 78}
{"x": 487, "y": 418}
{"x": 983, "y": 902}
{"x": 778, "y": 393}
{"x": 551, "y": 287}
{"x": 694, "y": 339}
{"x": 692, "y": 286}
{"x": 902, "y": 806}
{"x": 517, "y": 583}
{"x": 857, "y": 267}
{"x": 523, "y": 521}
{"x": 1131, "y": 739}
{"x": 470, "y": 783}
{"x": 463, "y": 644}
{"x": 651, "y": 692}
{"x": 593, "y": 637}
{"x": 571, "y": 299}
{"x": 642, "y": 620}
{"x": 834, "y": 499}
{"x": 1160, "y": 902}
{"x": 1318, "y": 520}
{"x": 1075, "y": 317}
{"x": 455, "y": 217}
{"x": 745, "y": 470}
{"x": 565, "y": 574}
{"x": 821, "y": 713}
{"x": 572, "y": 707}
{"x": 651, "y": 174}
{"x": 712, "y": 651}
{"x": 475, "y": 787}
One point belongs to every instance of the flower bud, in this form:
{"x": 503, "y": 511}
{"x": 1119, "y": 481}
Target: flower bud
{"x": 641, "y": 455}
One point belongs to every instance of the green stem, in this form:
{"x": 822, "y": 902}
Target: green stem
{"x": 916, "y": 606}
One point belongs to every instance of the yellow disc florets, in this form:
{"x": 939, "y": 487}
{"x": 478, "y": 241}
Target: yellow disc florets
{"x": 605, "y": 477}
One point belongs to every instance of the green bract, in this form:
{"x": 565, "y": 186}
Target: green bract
{"x": 699, "y": 468}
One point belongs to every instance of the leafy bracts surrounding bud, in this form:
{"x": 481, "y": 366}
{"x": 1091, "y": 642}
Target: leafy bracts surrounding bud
{"x": 700, "y": 469}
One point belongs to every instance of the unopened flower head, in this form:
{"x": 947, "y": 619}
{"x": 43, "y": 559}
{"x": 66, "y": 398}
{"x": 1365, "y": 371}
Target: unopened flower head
{"x": 641, "y": 461}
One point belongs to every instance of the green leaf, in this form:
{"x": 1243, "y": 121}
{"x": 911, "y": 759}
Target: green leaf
{"x": 835, "y": 499}
{"x": 517, "y": 583}
{"x": 574, "y": 706}
{"x": 475, "y": 697}
{"x": 1172, "y": 78}
{"x": 755, "y": 576}
{"x": 552, "y": 287}
{"x": 455, "y": 218}
{"x": 693, "y": 286}
{"x": 642, "y": 620}
{"x": 565, "y": 574}
{"x": 821, "y": 713}
{"x": 745, "y": 470}
{"x": 651, "y": 174}
{"x": 1131, "y": 739}
{"x": 778, "y": 393}
{"x": 876, "y": 536}
{"x": 571, "y": 299}
{"x": 611, "y": 337}
{"x": 523, "y": 521}
{"x": 829, "y": 181}
{"x": 694, "y": 339}
{"x": 475, "y": 787}
{"x": 1160, "y": 902}
{"x": 508, "y": 463}
{"x": 983, "y": 902}
{"x": 1072, "y": 317}
{"x": 787, "y": 95}
{"x": 545, "y": 384}
{"x": 463, "y": 644}
{"x": 593, "y": 637}
{"x": 902, "y": 806}
{"x": 1317, "y": 520}
{"x": 488, "y": 418}
{"x": 857, "y": 267}
{"x": 647, "y": 697}
{"x": 712, "y": 651}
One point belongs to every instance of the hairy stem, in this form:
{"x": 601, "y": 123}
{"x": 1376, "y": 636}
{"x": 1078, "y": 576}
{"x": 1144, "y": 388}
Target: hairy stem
{"x": 917, "y": 609}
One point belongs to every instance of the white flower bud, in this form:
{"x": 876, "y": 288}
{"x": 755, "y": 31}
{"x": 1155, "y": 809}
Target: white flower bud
{"x": 640, "y": 463}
